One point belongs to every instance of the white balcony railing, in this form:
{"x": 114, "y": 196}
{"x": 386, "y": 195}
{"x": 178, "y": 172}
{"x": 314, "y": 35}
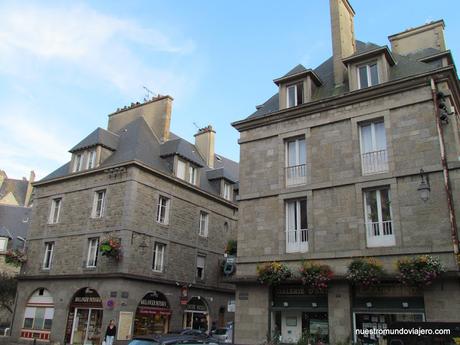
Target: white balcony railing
{"x": 374, "y": 162}
{"x": 380, "y": 234}
{"x": 296, "y": 174}
{"x": 297, "y": 241}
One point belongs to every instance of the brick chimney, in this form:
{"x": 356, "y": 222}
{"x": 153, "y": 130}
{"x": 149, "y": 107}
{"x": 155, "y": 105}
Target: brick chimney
{"x": 204, "y": 142}
{"x": 343, "y": 37}
{"x": 156, "y": 112}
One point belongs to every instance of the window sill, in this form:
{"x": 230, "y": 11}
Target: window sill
{"x": 158, "y": 272}
{"x": 162, "y": 224}
{"x": 89, "y": 268}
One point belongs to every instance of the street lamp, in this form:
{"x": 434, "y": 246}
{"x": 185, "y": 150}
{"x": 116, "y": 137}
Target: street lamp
{"x": 424, "y": 186}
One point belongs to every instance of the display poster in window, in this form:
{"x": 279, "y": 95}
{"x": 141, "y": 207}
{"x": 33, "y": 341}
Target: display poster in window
{"x": 125, "y": 321}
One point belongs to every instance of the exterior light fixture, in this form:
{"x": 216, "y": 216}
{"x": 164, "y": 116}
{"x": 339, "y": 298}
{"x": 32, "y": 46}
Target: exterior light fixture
{"x": 369, "y": 304}
{"x": 405, "y": 305}
{"x": 285, "y": 304}
{"x": 424, "y": 186}
{"x": 314, "y": 305}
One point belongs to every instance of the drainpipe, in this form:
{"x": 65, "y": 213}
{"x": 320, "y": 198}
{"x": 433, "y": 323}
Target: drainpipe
{"x": 445, "y": 171}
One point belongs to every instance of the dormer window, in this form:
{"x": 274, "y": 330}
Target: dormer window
{"x": 91, "y": 163}
{"x": 294, "y": 95}
{"x": 78, "y": 162}
{"x": 227, "y": 192}
{"x": 368, "y": 75}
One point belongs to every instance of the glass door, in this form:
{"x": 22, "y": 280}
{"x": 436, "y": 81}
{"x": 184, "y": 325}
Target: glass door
{"x": 87, "y": 327}
{"x": 80, "y": 325}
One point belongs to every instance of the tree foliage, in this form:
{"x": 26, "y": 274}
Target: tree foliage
{"x": 8, "y": 285}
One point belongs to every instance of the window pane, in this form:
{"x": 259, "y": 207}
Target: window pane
{"x": 366, "y": 138}
{"x": 302, "y": 151}
{"x": 374, "y": 74}
{"x": 303, "y": 214}
{"x": 371, "y": 206}
{"x": 386, "y": 205}
{"x": 3, "y": 244}
{"x": 299, "y": 93}
{"x": 291, "y": 96}
{"x": 292, "y": 156}
{"x": 363, "y": 76}
{"x": 39, "y": 318}
{"x": 380, "y": 139}
{"x": 291, "y": 210}
{"x": 181, "y": 169}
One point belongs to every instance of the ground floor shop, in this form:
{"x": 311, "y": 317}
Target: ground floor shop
{"x": 78, "y": 311}
{"x": 290, "y": 312}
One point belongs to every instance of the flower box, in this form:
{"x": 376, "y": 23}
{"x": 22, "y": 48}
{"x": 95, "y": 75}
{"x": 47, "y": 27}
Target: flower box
{"x": 365, "y": 272}
{"x": 315, "y": 276}
{"x": 273, "y": 273}
{"x": 419, "y": 271}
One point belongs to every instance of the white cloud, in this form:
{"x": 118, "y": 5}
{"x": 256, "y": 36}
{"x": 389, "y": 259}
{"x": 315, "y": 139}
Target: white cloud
{"x": 30, "y": 144}
{"x": 102, "y": 46}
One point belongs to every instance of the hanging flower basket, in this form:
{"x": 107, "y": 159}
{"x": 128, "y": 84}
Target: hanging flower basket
{"x": 231, "y": 247}
{"x": 419, "y": 271}
{"x": 365, "y": 272}
{"x": 111, "y": 247}
{"x": 15, "y": 257}
{"x": 273, "y": 273}
{"x": 315, "y": 276}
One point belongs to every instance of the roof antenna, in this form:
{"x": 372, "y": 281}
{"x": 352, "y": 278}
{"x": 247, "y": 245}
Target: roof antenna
{"x": 148, "y": 94}
{"x": 194, "y": 123}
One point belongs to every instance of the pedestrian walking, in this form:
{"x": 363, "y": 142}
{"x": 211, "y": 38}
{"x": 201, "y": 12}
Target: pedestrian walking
{"x": 110, "y": 333}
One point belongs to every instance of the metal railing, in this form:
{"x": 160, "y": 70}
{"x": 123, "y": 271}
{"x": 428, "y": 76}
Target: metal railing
{"x": 380, "y": 233}
{"x": 296, "y": 174}
{"x": 374, "y": 162}
{"x": 296, "y": 240}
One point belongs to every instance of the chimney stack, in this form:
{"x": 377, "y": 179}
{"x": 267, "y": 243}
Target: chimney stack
{"x": 343, "y": 37}
{"x": 156, "y": 112}
{"x": 29, "y": 189}
{"x": 204, "y": 142}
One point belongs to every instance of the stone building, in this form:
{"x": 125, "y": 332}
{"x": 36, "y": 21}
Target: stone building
{"x": 16, "y": 192}
{"x": 171, "y": 206}
{"x": 330, "y": 172}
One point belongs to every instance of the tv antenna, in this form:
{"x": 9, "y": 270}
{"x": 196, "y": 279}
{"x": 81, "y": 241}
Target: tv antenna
{"x": 149, "y": 94}
{"x": 194, "y": 123}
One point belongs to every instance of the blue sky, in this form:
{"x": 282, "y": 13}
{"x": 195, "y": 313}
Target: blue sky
{"x": 65, "y": 65}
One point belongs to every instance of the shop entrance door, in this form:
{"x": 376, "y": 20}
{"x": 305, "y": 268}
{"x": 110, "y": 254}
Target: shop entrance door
{"x": 86, "y": 328}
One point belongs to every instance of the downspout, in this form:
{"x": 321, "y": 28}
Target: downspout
{"x": 445, "y": 171}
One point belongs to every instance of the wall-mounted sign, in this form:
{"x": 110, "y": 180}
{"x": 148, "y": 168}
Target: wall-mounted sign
{"x": 125, "y": 321}
{"x": 196, "y": 304}
{"x": 183, "y": 295}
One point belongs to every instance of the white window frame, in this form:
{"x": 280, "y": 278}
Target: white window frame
{"x": 3, "y": 244}
{"x": 204, "y": 224}
{"x": 295, "y": 174}
{"x": 163, "y": 206}
{"x": 375, "y": 161}
{"x": 78, "y": 162}
{"x": 227, "y": 191}
{"x": 296, "y": 237}
{"x": 368, "y": 74}
{"x": 181, "y": 173}
{"x": 48, "y": 257}
{"x": 92, "y": 256}
{"x": 385, "y": 236}
{"x": 158, "y": 263}
{"x": 91, "y": 163}
{"x": 55, "y": 211}
{"x": 98, "y": 212}
{"x": 201, "y": 277}
{"x": 192, "y": 174}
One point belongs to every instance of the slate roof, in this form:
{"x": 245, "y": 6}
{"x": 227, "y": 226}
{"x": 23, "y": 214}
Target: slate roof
{"x": 14, "y": 221}
{"x": 99, "y": 136}
{"x": 17, "y": 187}
{"x": 136, "y": 141}
{"x": 405, "y": 66}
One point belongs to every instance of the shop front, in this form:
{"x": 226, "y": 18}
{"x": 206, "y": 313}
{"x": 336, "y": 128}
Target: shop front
{"x": 296, "y": 311}
{"x": 84, "y": 321}
{"x": 153, "y": 314}
{"x": 196, "y": 314}
{"x": 379, "y": 307}
{"x": 38, "y": 316}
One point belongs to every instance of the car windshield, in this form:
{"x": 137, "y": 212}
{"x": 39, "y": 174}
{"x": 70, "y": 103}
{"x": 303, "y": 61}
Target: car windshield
{"x": 221, "y": 331}
{"x": 143, "y": 342}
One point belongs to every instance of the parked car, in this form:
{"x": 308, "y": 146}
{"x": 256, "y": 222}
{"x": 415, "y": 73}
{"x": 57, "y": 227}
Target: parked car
{"x": 201, "y": 334}
{"x": 223, "y": 335}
